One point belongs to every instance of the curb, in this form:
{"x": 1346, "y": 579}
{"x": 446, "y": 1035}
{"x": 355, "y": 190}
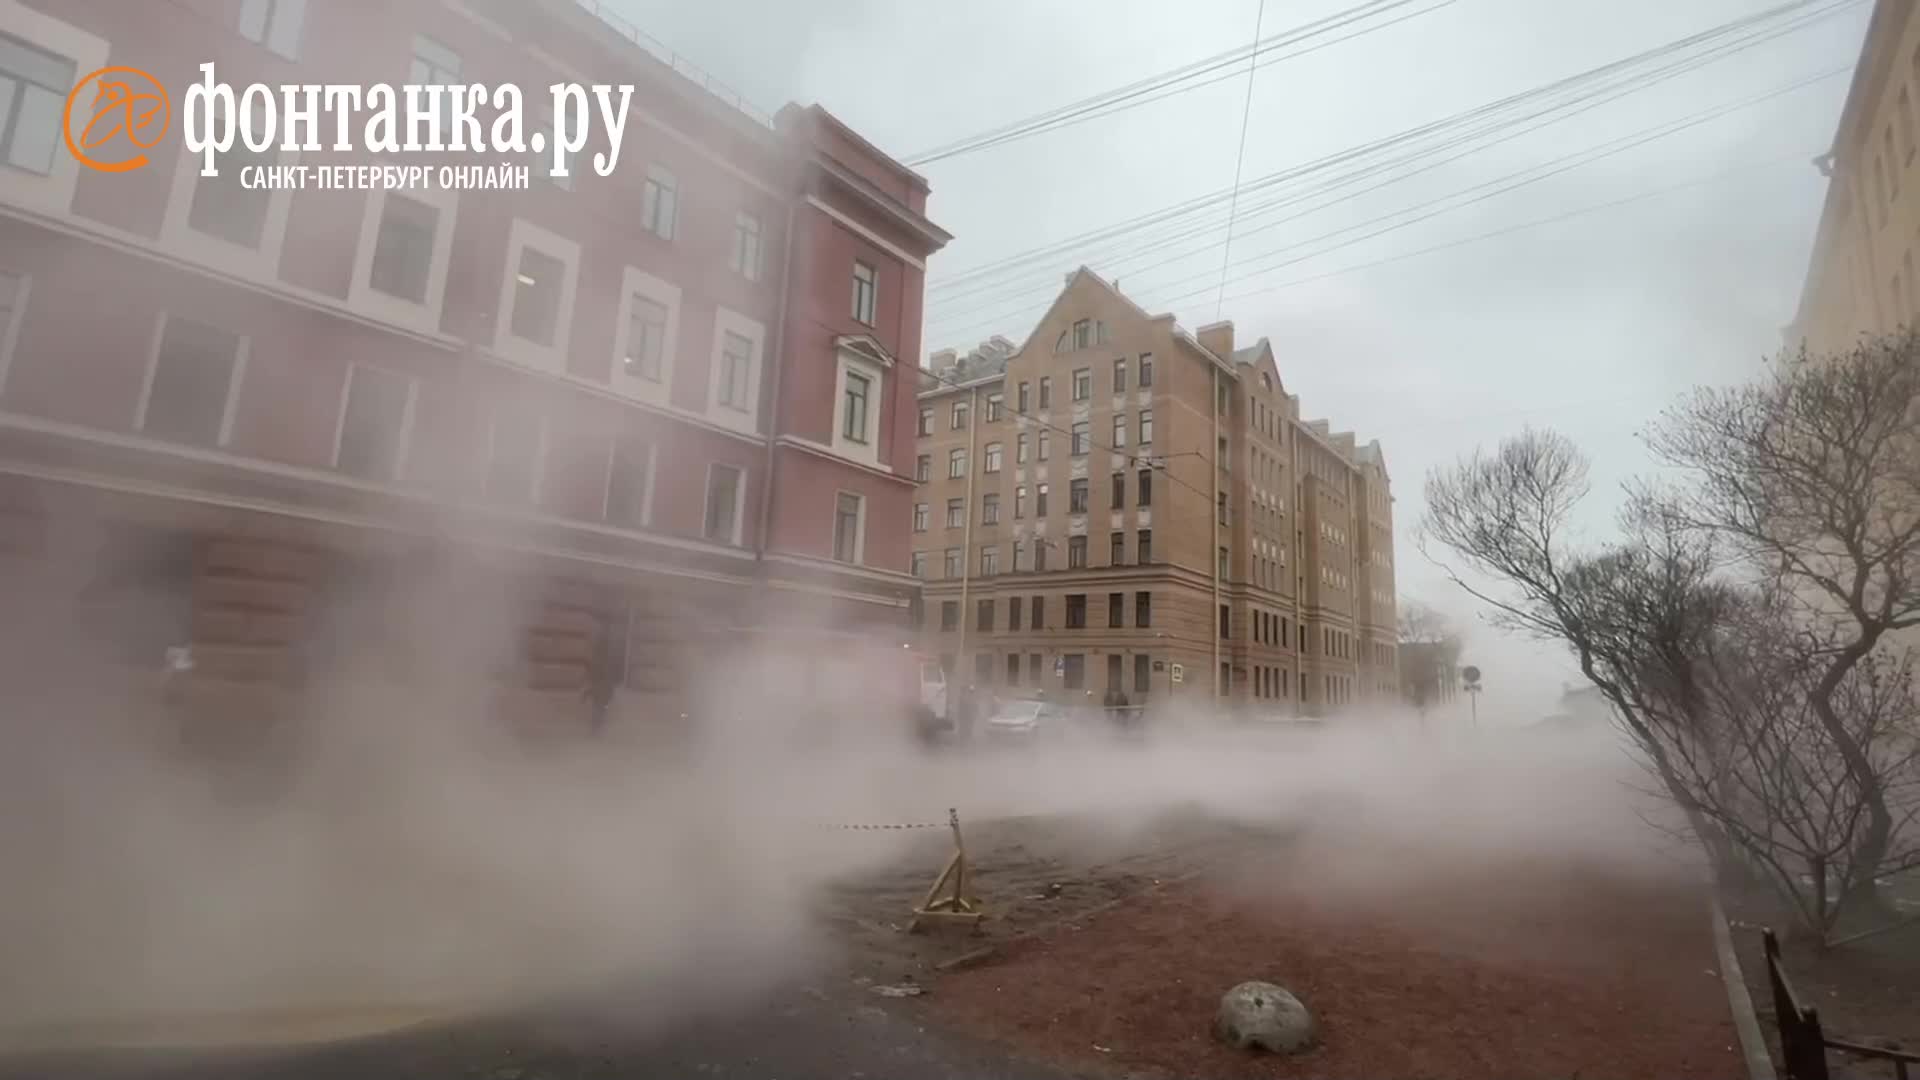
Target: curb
{"x": 1753, "y": 1042}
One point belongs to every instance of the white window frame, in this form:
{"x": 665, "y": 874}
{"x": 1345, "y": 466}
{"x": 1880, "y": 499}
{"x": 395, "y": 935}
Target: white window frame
{"x": 52, "y": 192}
{"x": 661, "y": 178}
{"x": 261, "y": 263}
{"x": 17, "y": 316}
{"x": 744, "y": 420}
{"x": 637, "y": 282}
{"x": 269, "y": 14}
{"x": 646, "y": 501}
{"x": 405, "y": 443}
{"x": 550, "y": 358}
{"x": 739, "y": 502}
{"x": 242, "y": 350}
{"x": 859, "y": 528}
{"x": 852, "y": 363}
{"x": 363, "y": 298}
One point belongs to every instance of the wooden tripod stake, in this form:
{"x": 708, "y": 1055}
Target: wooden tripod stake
{"x": 957, "y": 906}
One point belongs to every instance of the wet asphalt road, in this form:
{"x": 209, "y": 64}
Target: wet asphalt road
{"x": 797, "y": 1034}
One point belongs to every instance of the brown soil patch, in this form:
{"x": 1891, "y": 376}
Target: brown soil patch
{"x": 1524, "y": 969}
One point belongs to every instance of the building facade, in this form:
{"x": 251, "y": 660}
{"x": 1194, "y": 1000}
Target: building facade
{"x": 1862, "y": 279}
{"x": 648, "y": 410}
{"x": 1118, "y": 504}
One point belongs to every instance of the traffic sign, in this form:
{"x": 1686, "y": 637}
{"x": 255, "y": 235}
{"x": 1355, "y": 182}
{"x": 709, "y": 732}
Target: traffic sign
{"x": 1178, "y": 675}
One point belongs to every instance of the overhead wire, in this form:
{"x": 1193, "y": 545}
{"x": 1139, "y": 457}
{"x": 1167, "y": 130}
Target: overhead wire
{"x": 1239, "y": 159}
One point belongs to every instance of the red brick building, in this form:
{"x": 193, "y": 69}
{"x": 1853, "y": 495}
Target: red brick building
{"x": 658, "y": 406}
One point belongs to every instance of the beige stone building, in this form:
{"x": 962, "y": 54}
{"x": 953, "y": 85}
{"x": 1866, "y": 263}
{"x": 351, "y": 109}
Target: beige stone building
{"x": 1862, "y": 278}
{"x": 1117, "y": 503}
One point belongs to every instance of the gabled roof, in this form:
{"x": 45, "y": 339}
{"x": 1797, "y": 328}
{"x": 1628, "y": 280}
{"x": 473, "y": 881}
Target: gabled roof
{"x": 1084, "y": 273}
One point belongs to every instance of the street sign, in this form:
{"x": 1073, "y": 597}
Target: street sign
{"x": 1178, "y": 675}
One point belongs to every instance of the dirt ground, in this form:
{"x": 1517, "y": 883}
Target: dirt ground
{"x": 1512, "y": 967}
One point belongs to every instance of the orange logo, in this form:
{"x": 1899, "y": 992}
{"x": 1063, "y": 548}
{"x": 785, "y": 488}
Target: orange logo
{"x": 110, "y": 126}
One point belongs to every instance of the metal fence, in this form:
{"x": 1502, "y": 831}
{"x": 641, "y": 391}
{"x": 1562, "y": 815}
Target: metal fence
{"x": 1803, "y": 1044}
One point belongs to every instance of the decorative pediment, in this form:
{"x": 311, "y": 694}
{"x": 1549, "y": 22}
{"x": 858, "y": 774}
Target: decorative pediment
{"x": 866, "y": 347}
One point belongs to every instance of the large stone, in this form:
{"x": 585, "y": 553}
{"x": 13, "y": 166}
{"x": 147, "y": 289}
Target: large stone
{"x": 1258, "y": 1015}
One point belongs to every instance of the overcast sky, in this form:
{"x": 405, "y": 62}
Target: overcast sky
{"x": 1588, "y": 325}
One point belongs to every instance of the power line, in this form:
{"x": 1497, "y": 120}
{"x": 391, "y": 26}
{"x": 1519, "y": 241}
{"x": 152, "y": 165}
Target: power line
{"x": 1246, "y": 114}
{"x": 1048, "y": 251}
{"x": 1518, "y": 179}
{"x": 1135, "y": 94}
{"x": 1567, "y": 109}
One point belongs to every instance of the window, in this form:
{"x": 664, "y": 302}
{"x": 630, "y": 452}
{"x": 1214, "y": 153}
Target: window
{"x": 1019, "y": 556}
{"x": 1013, "y": 661}
{"x": 629, "y": 476}
{"x": 1119, "y": 491}
{"x": 723, "y": 504}
{"x": 1082, "y": 384}
{"x": 1120, "y": 375}
{"x": 1146, "y": 488}
{"x": 1146, "y": 370}
{"x": 866, "y": 289}
{"x": 1039, "y": 554}
{"x": 996, "y": 404}
{"x": 33, "y": 96}
{"x": 373, "y": 426}
{"x": 1080, "y": 439}
{"x": 646, "y": 337}
{"x": 1116, "y": 611}
{"x": 1013, "y": 624}
{"x": 746, "y": 246}
{"x": 990, "y": 508}
{"x": 1115, "y": 670}
{"x": 736, "y": 371}
{"x": 536, "y": 297}
{"x": 13, "y": 296}
{"x": 274, "y": 23}
{"x": 1019, "y": 502}
{"x": 1046, "y": 391}
{"x": 959, "y": 418}
{"x": 1224, "y": 455}
{"x": 193, "y": 378}
{"x": 226, "y": 208}
{"x": 1143, "y": 609}
{"x": 952, "y": 566}
{"x": 992, "y": 463}
{"x": 1076, "y": 611}
{"x": 1020, "y": 449}
{"x": 1222, "y": 563}
{"x": 1034, "y": 673}
{"x": 854, "y": 424}
{"x": 515, "y": 442}
{"x": 956, "y": 513}
{"x": 659, "y": 203}
{"x": 1142, "y": 673}
{"x": 950, "y": 614}
{"x": 1117, "y": 549}
{"x": 1040, "y": 500}
{"x": 1143, "y": 547}
{"x": 1041, "y": 454}
{"x": 1077, "y": 496}
{"x": 1119, "y": 430}
{"x": 1039, "y": 615}
{"x": 1023, "y": 399}
{"x": 1226, "y": 629}
{"x": 1906, "y": 122}
{"x": 923, "y": 468}
{"x": 1146, "y": 426}
{"x": 956, "y": 464}
{"x": 926, "y": 423}
{"x": 983, "y": 615}
{"x": 1222, "y": 500}
{"x": 989, "y": 563}
{"x": 921, "y": 517}
{"x": 433, "y": 64}
{"x": 846, "y": 527}
{"x": 1075, "y": 667}
{"x": 983, "y": 667}
{"x": 1076, "y": 552}
{"x": 1083, "y": 334}
{"x": 918, "y": 567}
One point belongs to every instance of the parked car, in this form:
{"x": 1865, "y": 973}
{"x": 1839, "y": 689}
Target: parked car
{"x": 1027, "y": 719}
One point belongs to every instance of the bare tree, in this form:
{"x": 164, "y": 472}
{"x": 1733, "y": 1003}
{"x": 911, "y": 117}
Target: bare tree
{"x": 1714, "y": 673}
{"x": 1429, "y": 653}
